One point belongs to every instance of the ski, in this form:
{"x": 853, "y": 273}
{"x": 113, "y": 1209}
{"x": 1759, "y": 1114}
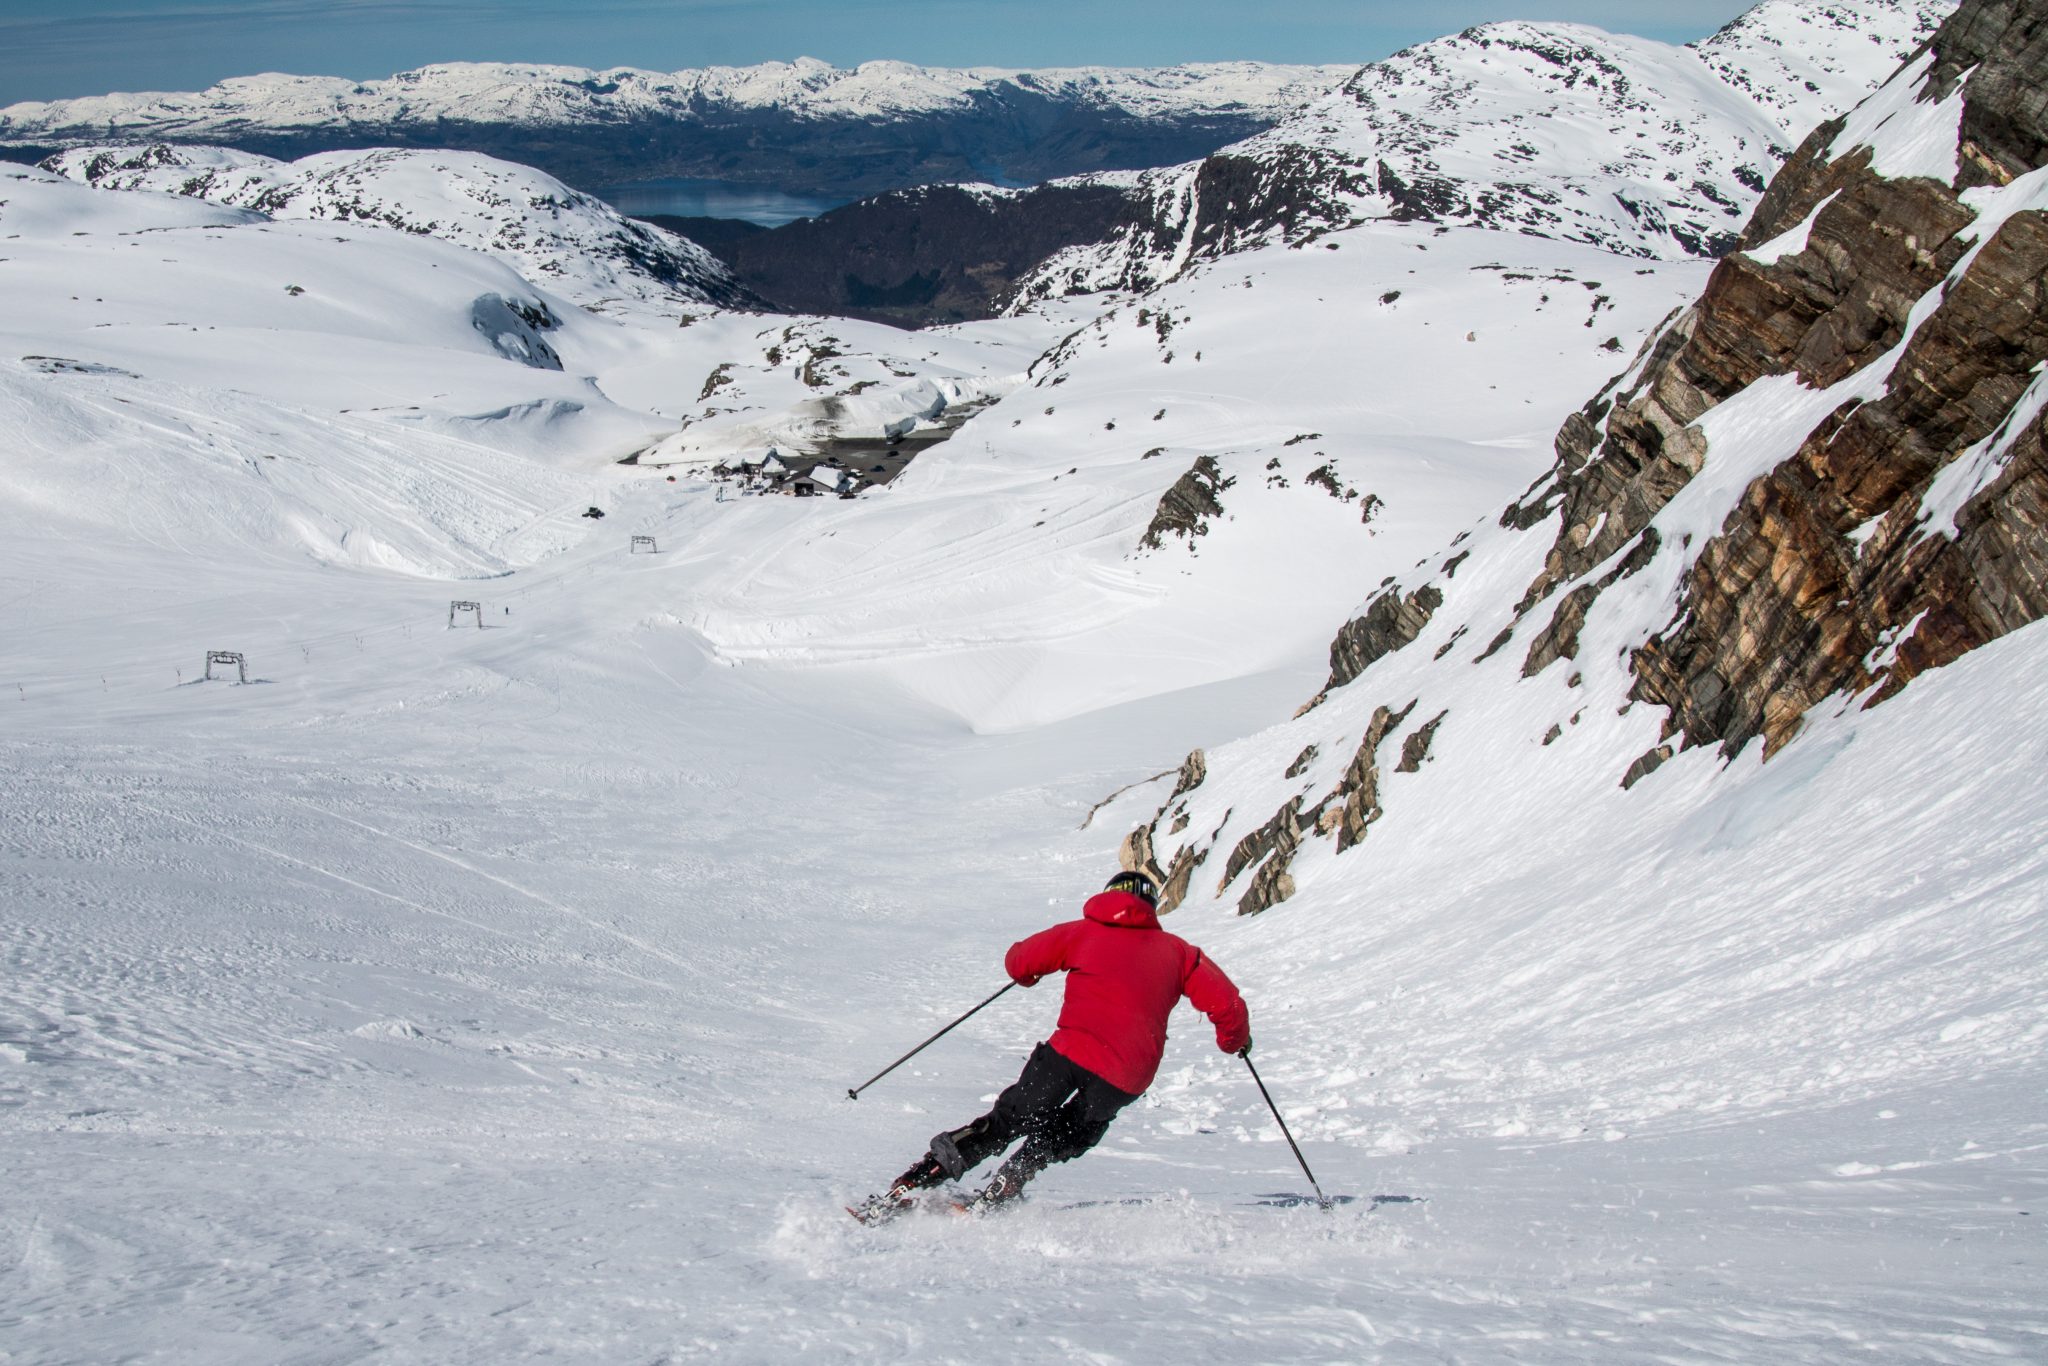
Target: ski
{"x": 880, "y": 1209}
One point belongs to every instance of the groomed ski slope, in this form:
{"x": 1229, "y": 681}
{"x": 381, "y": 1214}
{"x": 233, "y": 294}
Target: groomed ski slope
{"x": 483, "y": 995}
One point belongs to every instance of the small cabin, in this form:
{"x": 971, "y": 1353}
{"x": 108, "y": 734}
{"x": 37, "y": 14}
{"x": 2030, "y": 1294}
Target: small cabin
{"x": 751, "y": 468}
{"x": 822, "y": 481}
{"x": 774, "y": 471}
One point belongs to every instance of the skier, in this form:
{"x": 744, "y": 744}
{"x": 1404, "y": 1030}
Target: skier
{"x": 1125, "y": 977}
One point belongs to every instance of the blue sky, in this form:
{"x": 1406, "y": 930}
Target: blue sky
{"x": 54, "y": 48}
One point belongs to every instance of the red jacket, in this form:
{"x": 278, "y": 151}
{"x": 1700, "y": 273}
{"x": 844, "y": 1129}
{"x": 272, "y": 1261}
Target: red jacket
{"x": 1127, "y": 976}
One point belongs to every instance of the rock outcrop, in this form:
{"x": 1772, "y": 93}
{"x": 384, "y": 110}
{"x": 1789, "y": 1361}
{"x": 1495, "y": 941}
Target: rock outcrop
{"x": 1906, "y": 526}
{"x": 1186, "y": 507}
{"x": 1390, "y": 621}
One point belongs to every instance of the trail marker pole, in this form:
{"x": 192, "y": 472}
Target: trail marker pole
{"x": 853, "y": 1093}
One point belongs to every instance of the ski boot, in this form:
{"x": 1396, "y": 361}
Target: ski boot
{"x": 900, "y": 1197}
{"x": 1006, "y": 1187}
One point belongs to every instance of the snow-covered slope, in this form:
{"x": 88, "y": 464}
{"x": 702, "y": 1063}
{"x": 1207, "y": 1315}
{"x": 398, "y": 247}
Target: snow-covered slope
{"x": 483, "y": 995}
{"x": 1554, "y": 129}
{"x": 1806, "y": 62}
{"x": 1014, "y": 552}
{"x": 268, "y": 352}
{"x": 576, "y": 245}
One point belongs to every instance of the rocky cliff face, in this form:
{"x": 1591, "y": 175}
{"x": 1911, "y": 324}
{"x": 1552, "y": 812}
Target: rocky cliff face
{"x": 1914, "y": 288}
{"x": 1821, "y": 480}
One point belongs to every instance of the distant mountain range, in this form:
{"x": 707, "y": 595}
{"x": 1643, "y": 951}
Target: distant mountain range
{"x": 802, "y": 126}
{"x": 1553, "y": 129}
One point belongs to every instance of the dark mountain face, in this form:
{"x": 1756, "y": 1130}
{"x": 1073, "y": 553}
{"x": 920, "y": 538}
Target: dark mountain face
{"x": 1834, "y": 574}
{"x": 931, "y": 255}
{"x": 1838, "y": 571}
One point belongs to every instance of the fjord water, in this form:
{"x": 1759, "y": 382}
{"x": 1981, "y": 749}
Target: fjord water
{"x": 767, "y": 205}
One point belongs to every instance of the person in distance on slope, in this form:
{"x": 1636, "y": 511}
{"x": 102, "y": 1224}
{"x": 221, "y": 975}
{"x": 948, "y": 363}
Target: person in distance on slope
{"x": 1124, "y": 977}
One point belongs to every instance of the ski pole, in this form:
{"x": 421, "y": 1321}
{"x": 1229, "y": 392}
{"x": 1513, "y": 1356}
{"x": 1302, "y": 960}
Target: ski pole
{"x": 1321, "y": 1199}
{"x": 853, "y": 1093}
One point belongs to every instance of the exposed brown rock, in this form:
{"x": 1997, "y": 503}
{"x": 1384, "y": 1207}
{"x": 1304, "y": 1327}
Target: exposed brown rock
{"x": 1134, "y": 855}
{"x": 1782, "y": 609}
{"x": 1822, "y": 313}
{"x": 2003, "y": 45}
{"x": 1560, "y": 638}
{"x": 1174, "y": 890}
{"x": 1270, "y": 886}
{"x": 1284, "y": 828}
{"x": 1644, "y": 766}
{"x": 1185, "y": 508}
{"x": 1359, "y": 791}
{"x": 1389, "y": 622}
{"x": 1275, "y": 843}
{"x": 1415, "y": 748}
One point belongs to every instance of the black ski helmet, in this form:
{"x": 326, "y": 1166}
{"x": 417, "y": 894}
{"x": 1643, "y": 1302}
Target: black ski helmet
{"x": 1137, "y": 884}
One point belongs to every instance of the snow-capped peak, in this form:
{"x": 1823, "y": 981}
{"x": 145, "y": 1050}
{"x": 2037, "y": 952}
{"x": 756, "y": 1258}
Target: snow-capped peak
{"x": 1560, "y": 130}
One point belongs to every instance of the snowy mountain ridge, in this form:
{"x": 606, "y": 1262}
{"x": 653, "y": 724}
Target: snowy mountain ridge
{"x": 1554, "y": 129}
{"x": 577, "y": 245}
{"x": 502, "y": 92}
{"x": 802, "y": 125}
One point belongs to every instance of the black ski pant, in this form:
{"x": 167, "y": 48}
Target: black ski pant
{"x": 1059, "y": 1107}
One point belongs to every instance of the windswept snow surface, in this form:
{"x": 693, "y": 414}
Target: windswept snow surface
{"x": 474, "y": 995}
{"x": 1015, "y": 553}
{"x": 580, "y": 246}
{"x": 1807, "y": 60}
{"x": 491, "y": 992}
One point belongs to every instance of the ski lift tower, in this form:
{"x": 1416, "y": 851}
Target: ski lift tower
{"x": 455, "y": 609}
{"x": 224, "y": 658}
{"x": 641, "y": 543}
